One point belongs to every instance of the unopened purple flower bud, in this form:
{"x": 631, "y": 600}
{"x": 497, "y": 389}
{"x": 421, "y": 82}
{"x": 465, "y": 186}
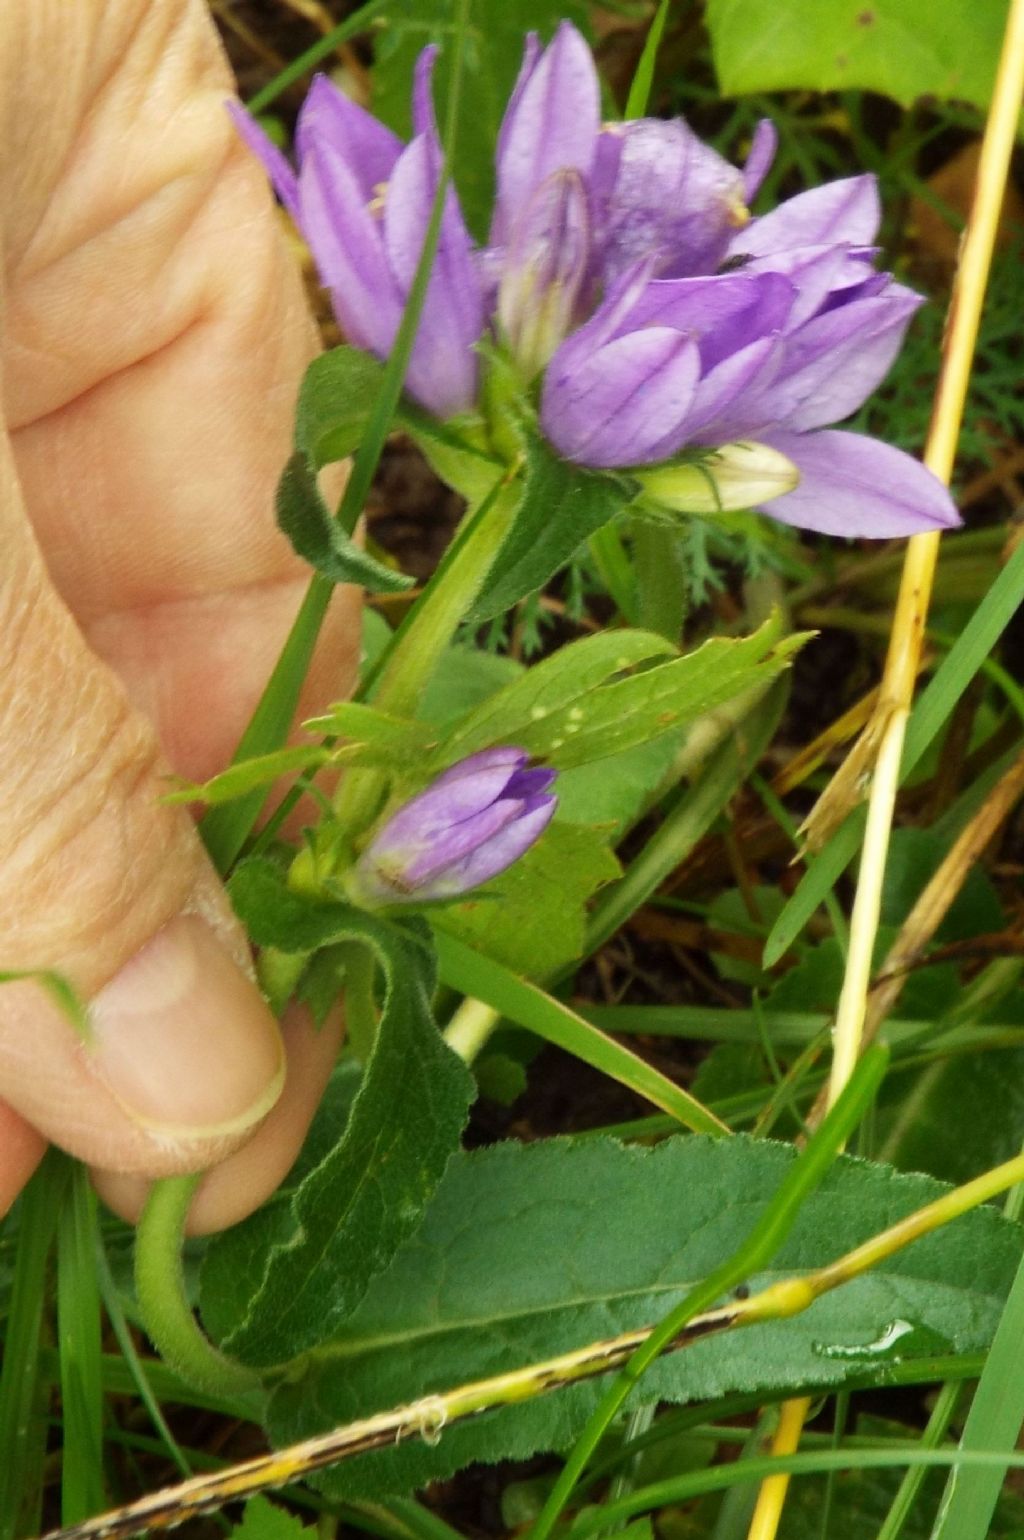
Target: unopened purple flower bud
{"x": 544, "y": 270}
{"x": 469, "y": 825}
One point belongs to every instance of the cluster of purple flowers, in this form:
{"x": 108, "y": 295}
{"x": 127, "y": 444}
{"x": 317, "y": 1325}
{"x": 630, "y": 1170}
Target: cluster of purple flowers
{"x": 623, "y": 266}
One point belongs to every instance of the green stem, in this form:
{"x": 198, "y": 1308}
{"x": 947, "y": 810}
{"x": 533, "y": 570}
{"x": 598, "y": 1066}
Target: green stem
{"x": 428, "y": 630}
{"x": 446, "y": 602}
{"x": 166, "y": 1312}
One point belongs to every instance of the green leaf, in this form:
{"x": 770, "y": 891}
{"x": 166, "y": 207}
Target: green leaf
{"x": 318, "y": 537}
{"x": 659, "y": 700}
{"x": 241, "y": 778}
{"x": 861, "y": 1500}
{"x": 905, "y": 49}
{"x": 594, "y": 1238}
{"x": 283, "y": 1281}
{"x": 465, "y": 677}
{"x": 533, "y": 919}
{"x": 493, "y": 57}
{"x": 615, "y": 791}
{"x": 551, "y": 687}
{"x": 956, "y": 1117}
{"x": 914, "y": 857}
{"x": 358, "y": 723}
{"x": 456, "y": 450}
{"x": 562, "y": 505}
{"x": 335, "y": 400}
{"x": 264, "y": 1520}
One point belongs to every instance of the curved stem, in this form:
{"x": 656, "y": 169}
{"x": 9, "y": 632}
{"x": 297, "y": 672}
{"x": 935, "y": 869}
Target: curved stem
{"x": 166, "y": 1312}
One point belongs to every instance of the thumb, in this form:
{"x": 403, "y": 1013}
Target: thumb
{"x": 104, "y": 884}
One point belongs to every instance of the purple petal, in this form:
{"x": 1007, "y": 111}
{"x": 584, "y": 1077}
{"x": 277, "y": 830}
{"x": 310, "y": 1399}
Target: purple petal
{"x": 442, "y": 372}
{"x": 431, "y": 816}
{"x": 329, "y": 117}
{"x": 551, "y": 125}
{"x": 531, "y": 55}
{"x": 345, "y": 240}
{"x": 544, "y": 270}
{"x": 526, "y": 784}
{"x": 610, "y": 319}
{"x": 423, "y": 120}
{"x": 836, "y": 360}
{"x": 718, "y": 414}
{"x": 275, "y": 162}
{"x": 624, "y": 403}
{"x": 820, "y": 275}
{"x": 511, "y": 758}
{"x": 856, "y": 486}
{"x": 762, "y": 152}
{"x": 673, "y": 197}
{"x": 500, "y": 852}
{"x": 724, "y": 312}
{"x": 461, "y": 840}
{"x": 847, "y": 211}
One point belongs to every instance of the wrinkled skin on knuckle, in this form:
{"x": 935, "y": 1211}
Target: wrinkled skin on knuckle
{"x": 91, "y": 860}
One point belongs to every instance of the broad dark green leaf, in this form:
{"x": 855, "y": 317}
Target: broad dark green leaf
{"x": 493, "y": 55}
{"x": 318, "y": 537}
{"x": 562, "y": 505}
{"x": 283, "y": 1281}
{"x": 529, "y": 1251}
{"x": 905, "y": 49}
{"x": 533, "y": 917}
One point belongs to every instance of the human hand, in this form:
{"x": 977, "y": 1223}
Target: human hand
{"x": 152, "y": 341}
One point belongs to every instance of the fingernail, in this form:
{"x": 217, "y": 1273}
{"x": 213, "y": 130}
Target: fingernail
{"x": 184, "y": 1040}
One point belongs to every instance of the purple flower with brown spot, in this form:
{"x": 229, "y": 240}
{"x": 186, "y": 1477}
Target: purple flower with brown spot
{"x": 468, "y": 826}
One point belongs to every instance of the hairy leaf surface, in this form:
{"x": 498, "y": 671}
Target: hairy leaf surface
{"x": 285, "y": 1279}
{"x": 529, "y": 1251}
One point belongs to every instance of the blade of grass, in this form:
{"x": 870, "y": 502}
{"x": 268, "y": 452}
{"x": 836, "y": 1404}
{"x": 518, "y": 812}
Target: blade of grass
{"x": 80, "y": 1352}
{"x": 22, "y": 1430}
{"x": 225, "y": 829}
{"x": 349, "y": 28}
{"x": 507, "y": 994}
{"x": 993, "y": 1424}
{"x": 132, "y": 1362}
{"x": 930, "y": 712}
{"x": 643, "y": 79}
{"x": 933, "y": 1435}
